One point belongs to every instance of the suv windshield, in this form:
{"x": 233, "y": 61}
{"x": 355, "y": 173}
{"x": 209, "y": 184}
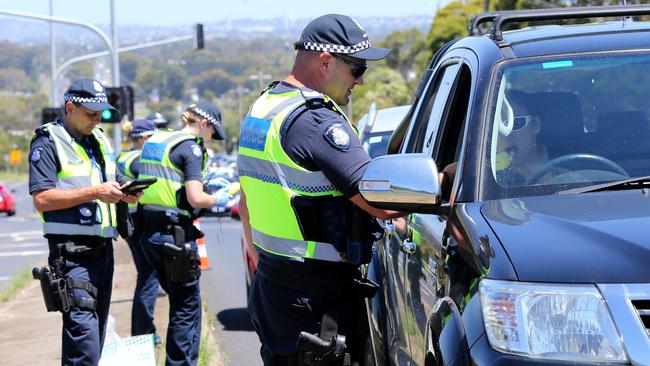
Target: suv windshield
{"x": 567, "y": 122}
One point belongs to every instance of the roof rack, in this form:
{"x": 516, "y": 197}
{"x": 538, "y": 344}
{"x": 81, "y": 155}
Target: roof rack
{"x": 483, "y": 18}
{"x": 560, "y": 13}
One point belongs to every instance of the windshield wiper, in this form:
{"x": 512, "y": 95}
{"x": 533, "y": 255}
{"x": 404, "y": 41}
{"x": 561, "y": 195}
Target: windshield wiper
{"x": 632, "y": 183}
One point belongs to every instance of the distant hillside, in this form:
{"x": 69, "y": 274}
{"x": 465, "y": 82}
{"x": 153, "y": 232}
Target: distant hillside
{"x": 31, "y": 32}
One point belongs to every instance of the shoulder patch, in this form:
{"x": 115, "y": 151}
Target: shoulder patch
{"x": 36, "y": 154}
{"x": 337, "y": 136}
{"x": 196, "y": 151}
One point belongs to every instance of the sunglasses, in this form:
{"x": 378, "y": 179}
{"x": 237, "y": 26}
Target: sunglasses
{"x": 357, "y": 69}
{"x": 521, "y": 122}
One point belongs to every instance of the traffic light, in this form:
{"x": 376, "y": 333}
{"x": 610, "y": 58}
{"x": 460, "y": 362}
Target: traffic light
{"x": 198, "y": 36}
{"x": 50, "y": 114}
{"x": 121, "y": 98}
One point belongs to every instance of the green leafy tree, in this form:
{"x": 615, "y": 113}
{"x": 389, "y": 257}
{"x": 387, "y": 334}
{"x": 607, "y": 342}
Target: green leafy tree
{"x": 451, "y": 22}
{"x": 15, "y": 80}
{"x": 382, "y": 85}
{"x": 406, "y": 46}
{"x": 216, "y": 80}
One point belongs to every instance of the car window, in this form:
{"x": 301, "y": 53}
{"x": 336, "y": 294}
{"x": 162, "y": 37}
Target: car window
{"x": 376, "y": 143}
{"x": 561, "y": 123}
{"x": 432, "y": 108}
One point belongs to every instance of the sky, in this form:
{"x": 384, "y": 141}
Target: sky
{"x": 178, "y": 12}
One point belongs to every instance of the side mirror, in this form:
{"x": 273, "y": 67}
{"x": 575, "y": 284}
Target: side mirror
{"x": 404, "y": 182}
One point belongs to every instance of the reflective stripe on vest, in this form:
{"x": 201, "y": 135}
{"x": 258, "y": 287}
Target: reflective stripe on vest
{"x": 124, "y": 162}
{"x": 155, "y": 163}
{"x": 271, "y": 179}
{"x": 79, "y": 171}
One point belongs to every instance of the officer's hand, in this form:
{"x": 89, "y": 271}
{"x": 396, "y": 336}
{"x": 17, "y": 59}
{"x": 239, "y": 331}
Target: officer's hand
{"x": 217, "y": 184}
{"x": 132, "y": 198}
{"x": 222, "y": 196}
{"x": 108, "y": 192}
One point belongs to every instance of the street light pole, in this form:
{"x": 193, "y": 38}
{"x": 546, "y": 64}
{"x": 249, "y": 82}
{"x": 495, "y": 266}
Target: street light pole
{"x": 52, "y": 57}
{"x": 99, "y": 32}
{"x": 115, "y": 56}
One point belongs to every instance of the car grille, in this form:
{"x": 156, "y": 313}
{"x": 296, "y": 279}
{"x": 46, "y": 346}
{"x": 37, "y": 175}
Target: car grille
{"x": 643, "y": 310}
{"x": 629, "y": 305}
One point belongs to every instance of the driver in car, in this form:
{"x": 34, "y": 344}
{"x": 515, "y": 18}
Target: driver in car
{"x": 519, "y": 154}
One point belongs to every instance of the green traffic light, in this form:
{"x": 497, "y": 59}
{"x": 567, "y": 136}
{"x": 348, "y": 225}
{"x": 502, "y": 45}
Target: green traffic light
{"x": 106, "y": 114}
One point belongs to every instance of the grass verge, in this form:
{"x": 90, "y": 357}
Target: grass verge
{"x": 10, "y": 177}
{"x": 18, "y": 281}
{"x": 208, "y": 350}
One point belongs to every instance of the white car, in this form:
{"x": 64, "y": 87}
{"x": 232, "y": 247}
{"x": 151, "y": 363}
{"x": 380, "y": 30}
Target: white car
{"x": 377, "y": 126}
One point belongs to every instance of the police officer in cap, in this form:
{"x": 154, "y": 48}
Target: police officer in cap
{"x": 75, "y": 184}
{"x": 146, "y": 287}
{"x": 300, "y": 161}
{"x": 177, "y": 159}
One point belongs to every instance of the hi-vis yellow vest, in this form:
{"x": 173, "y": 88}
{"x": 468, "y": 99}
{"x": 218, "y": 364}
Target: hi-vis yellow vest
{"x": 155, "y": 163}
{"x": 124, "y": 163}
{"x": 94, "y": 218}
{"x": 270, "y": 179}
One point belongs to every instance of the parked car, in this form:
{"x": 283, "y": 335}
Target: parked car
{"x": 377, "y": 126}
{"x": 7, "y": 200}
{"x": 540, "y": 252}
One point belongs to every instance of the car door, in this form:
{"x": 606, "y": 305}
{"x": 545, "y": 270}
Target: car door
{"x": 399, "y": 239}
{"x": 426, "y": 267}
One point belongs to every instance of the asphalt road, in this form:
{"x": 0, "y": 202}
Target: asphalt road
{"x": 21, "y": 237}
{"x": 223, "y": 286}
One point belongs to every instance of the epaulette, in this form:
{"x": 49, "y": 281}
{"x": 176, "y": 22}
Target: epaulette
{"x": 270, "y": 86}
{"x": 41, "y": 131}
{"x": 318, "y": 102}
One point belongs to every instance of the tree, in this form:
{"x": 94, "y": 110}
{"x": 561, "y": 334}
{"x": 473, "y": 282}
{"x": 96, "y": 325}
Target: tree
{"x": 216, "y": 80}
{"x": 406, "y": 46}
{"x": 451, "y": 22}
{"x": 15, "y": 80}
{"x": 382, "y": 85}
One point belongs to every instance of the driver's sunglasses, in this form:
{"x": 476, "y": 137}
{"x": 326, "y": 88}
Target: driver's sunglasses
{"x": 521, "y": 122}
{"x": 357, "y": 69}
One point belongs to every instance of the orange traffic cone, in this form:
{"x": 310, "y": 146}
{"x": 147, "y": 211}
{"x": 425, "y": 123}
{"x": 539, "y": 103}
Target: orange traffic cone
{"x": 203, "y": 252}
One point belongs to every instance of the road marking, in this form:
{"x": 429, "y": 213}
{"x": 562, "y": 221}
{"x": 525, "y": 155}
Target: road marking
{"x": 23, "y": 245}
{"x": 22, "y": 234}
{"x": 24, "y": 253}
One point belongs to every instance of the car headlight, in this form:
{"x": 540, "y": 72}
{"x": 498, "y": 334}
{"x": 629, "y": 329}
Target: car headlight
{"x": 546, "y": 321}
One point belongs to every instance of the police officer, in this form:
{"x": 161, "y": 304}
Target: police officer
{"x": 74, "y": 184}
{"x": 158, "y": 119}
{"x": 300, "y": 161}
{"x": 146, "y": 287}
{"x": 177, "y": 159}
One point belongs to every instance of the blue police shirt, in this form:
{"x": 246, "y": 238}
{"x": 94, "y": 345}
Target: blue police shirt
{"x": 44, "y": 165}
{"x": 188, "y": 157}
{"x": 306, "y": 136}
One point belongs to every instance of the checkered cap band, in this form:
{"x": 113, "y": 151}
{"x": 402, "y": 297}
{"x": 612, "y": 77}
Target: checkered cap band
{"x": 76, "y": 99}
{"x": 142, "y": 134}
{"x": 335, "y": 48}
{"x": 204, "y": 114}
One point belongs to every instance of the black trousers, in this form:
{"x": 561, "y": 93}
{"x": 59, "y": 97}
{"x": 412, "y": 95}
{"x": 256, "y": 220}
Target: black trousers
{"x": 280, "y": 312}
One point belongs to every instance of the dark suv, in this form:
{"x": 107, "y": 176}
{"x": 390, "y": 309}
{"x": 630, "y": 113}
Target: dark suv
{"x": 539, "y": 253}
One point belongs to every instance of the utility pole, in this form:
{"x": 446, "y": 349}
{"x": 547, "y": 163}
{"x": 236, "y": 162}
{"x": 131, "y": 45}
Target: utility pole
{"x": 260, "y": 77}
